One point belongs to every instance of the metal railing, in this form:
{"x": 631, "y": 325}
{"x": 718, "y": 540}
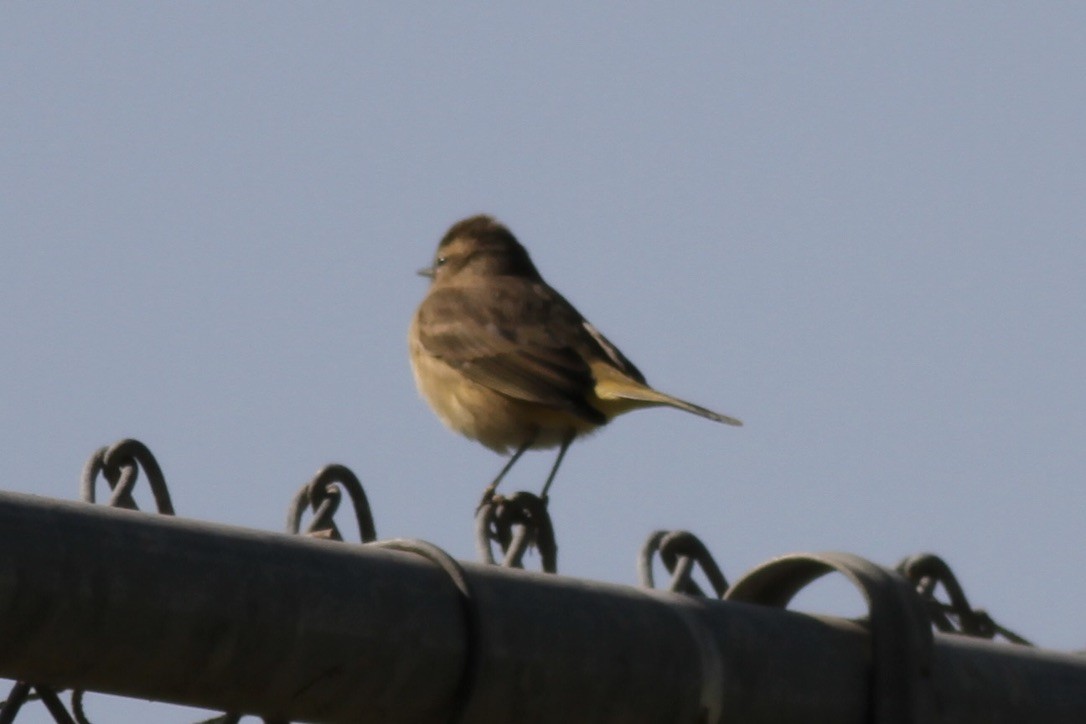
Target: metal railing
{"x": 305, "y": 628}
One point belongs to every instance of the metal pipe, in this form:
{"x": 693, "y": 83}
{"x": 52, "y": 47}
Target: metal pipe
{"x": 295, "y": 628}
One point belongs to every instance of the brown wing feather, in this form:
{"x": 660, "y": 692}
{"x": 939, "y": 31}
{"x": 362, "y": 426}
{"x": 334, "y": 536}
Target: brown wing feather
{"x": 509, "y": 337}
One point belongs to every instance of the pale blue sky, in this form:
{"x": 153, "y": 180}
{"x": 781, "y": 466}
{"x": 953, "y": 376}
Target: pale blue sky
{"x": 858, "y": 227}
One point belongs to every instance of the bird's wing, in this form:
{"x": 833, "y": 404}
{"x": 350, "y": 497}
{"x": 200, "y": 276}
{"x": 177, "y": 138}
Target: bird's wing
{"x": 610, "y": 354}
{"x": 516, "y": 337}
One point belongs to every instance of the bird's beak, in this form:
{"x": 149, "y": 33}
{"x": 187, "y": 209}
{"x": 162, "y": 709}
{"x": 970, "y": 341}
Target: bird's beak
{"x": 426, "y": 271}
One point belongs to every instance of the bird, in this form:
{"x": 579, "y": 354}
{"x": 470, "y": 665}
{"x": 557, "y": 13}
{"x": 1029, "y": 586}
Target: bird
{"x": 502, "y": 358}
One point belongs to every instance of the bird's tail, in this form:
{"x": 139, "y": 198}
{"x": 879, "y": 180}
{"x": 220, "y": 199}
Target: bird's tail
{"x": 618, "y": 394}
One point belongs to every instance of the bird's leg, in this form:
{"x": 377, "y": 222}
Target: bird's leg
{"x": 488, "y": 494}
{"x": 561, "y": 454}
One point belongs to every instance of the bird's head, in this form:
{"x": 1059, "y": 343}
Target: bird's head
{"x": 480, "y": 245}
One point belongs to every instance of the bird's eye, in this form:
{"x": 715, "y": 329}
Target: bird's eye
{"x": 440, "y": 261}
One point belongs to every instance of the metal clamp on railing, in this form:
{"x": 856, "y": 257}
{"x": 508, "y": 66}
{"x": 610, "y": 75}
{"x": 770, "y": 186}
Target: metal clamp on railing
{"x": 472, "y": 623}
{"x": 901, "y": 637}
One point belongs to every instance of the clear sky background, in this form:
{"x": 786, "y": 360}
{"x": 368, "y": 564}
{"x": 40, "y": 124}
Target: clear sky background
{"x": 858, "y": 227}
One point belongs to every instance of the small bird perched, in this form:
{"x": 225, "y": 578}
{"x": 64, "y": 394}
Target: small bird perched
{"x": 504, "y": 359}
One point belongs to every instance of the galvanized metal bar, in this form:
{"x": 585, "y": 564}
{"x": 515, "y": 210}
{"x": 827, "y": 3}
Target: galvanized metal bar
{"x": 293, "y": 628}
